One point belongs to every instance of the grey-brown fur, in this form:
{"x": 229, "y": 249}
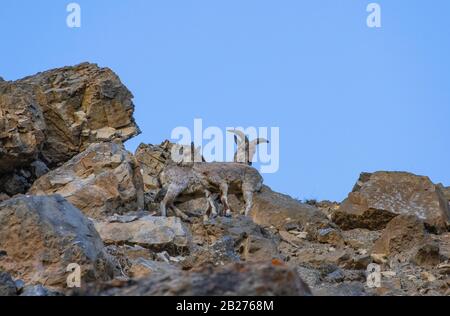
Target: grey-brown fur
{"x": 207, "y": 179}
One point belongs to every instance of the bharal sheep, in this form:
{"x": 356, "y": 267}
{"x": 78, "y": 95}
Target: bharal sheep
{"x": 194, "y": 179}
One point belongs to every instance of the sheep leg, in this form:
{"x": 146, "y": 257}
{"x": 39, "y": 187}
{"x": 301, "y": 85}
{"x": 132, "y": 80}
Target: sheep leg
{"x": 172, "y": 193}
{"x": 248, "y": 198}
{"x": 180, "y": 213}
{"x": 211, "y": 205}
{"x": 224, "y": 199}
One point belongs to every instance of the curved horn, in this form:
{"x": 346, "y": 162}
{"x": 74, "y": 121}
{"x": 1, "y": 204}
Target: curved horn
{"x": 252, "y": 148}
{"x": 240, "y": 134}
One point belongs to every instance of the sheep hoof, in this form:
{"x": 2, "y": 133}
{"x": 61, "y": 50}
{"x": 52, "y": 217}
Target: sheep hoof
{"x": 228, "y": 213}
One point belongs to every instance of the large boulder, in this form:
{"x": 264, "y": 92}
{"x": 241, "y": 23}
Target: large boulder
{"x": 280, "y": 211}
{"x": 235, "y": 279}
{"x": 405, "y": 239}
{"x": 22, "y": 126}
{"x": 152, "y": 160}
{"x": 50, "y": 117}
{"x": 101, "y": 181}
{"x": 379, "y": 197}
{"x": 223, "y": 240}
{"x": 41, "y": 236}
{"x": 155, "y": 233}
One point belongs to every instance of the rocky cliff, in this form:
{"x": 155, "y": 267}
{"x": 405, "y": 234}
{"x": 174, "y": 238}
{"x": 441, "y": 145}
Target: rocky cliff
{"x": 71, "y": 193}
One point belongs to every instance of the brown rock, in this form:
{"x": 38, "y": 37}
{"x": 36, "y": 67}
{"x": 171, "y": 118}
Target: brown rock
{"x": 101, "y": 181}
{"x": 237, "y": 279}
{"x": 152, "y": 160}
{"x": 427, "y": 255}
{"x": 278, "y": 210}
{"x": 444, "y": 244}
{"x": 4, "y": 197}
{"x": 79, "y": 103}
{"x": 156, "y": 233}
{"x": 405, "y": 239}
{"x": 323, "y": 257}
{"x": 445, "y": 191}
{"x": 22, "y": 126}
{"x": 41, "y": 236}
{"x": 142, "y": 268}
{"x": 52, "y": 116}
{"x": 381, "y": 196}
{"x": 330, "y": 236}
{"x": 224, "y": 240}
{"x": 360, "y": 238}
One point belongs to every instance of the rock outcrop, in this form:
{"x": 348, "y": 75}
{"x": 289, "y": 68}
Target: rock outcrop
{"x": 41, "y": 236}
{"x": 379, "y": 197}
{"x": 281, "y": 211}
{"x": 405, "y": 239}
{"x": 48, "y": 118}
{"x": 446, "y": 191}
{"x": 224, "y": 240}
{"x": 156, "y": 233}
{"x": 94, "y": 204}
{"x": 103, "y": 180}
{"x": 152, "y": 160}
{"x": 236, "y": 279}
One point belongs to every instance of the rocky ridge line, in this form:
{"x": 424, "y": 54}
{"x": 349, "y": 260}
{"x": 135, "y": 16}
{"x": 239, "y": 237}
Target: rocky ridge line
{"x": 71, "y": 193}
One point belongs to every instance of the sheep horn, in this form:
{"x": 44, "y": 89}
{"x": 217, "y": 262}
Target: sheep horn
{"x": 240, "y": 134}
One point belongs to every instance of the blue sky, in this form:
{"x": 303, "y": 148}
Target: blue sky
{"x": 347, "y": 98}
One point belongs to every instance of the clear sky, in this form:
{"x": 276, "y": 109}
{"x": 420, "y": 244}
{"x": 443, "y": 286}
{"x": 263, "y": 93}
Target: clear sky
{"x": 347, "y": 98}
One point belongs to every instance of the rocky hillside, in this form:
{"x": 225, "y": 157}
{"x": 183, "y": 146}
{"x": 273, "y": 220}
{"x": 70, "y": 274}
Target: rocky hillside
{"x": 71, "y": 193}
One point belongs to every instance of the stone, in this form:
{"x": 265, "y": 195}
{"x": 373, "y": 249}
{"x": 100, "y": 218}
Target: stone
{"x": 20, "y": 285}
{"x": 278, "y": 210}
{"x": 101, "y": 181}
{"x": 224, "y": 240}
{"x": 445, "y": 191}
{"x": 76, "y": 103}
{"x": 342, "y": 289}
{"x": 336, "y": 276}
{"x": 54, "y": 115}
{"x": 330, "y": 236}
{"x": 222, "y": 251}
{"x": 7, "y": 285}
{"x": 155, "y": 233}
{"x": 22, "y": 126}
{"x": 427, "y": 255}
{"x": 13, "y": 183}
{"x": 379, "y": 197}
{"x": 142, "y": 268}
{"x": 235, "y": 279}
{"x": 360, "y": 238}
{"x": 41, "y": 236}
{"x": 406, "y": 239}
{"x": 4, "y": 197}
{"x": 39, "y": 290}
{"x": 311, "y": 277}
{"x": 152, "y": 160}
